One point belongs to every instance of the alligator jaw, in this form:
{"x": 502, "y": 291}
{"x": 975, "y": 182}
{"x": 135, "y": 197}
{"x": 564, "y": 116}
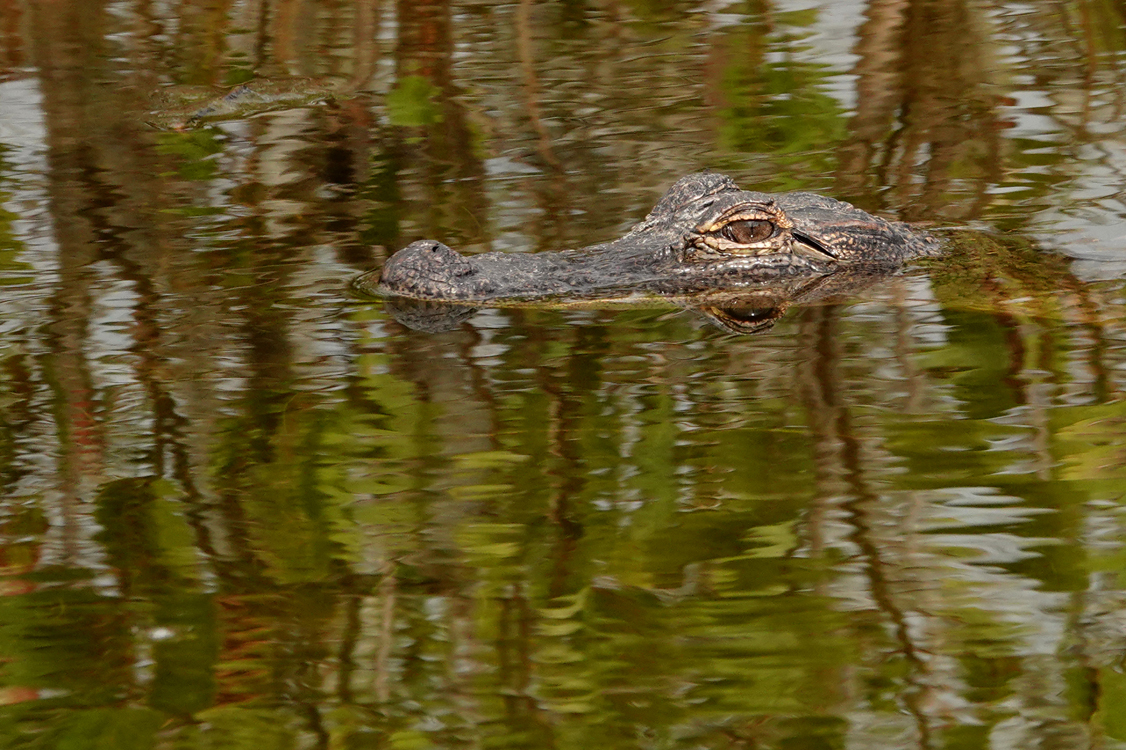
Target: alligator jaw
{"x": 429, "y": 270}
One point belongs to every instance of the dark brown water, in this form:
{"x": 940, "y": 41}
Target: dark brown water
{"x": 241, "y": 509}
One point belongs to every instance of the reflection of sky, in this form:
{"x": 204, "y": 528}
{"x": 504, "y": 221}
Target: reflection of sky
{"x": 827, "y": 42}
{"x": 1084, "y": 212}
{"x": 1076, "y": 129}
{"x": 23, "y": 168}
{"x": 832, "y": 39}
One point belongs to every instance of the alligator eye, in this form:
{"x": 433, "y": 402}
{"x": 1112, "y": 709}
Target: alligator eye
{"x": 747, "y": 231}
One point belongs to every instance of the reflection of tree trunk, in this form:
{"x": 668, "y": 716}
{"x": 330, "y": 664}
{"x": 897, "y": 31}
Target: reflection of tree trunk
{"x": 66, "y": 42}
{"x": 839, "y": 455}
{"x": 531, "y": 83}
{"x": 11, "y": 45}
{"x": 514, "y": 670}
{"x": 17, "y": 422}
{"x": 353, "y": 628}
{"x": 169, "y": 426}
{"x": 201, "y": 39}
{"x": 448, "y": 154}
{"x": 104, "y": 189}
{"x": 914, "y": 381}
{"x": 878, "y": 92}
{"x": 386, "y": 598}
{"x": 365, "y": 44}
{"x": 254, "y": 435}
{"x": 1088, "y": 316}
{"x": 568, "y": 476}
{"x": 553, "y": 196}
{"x": 350, "y": 139}
{"x": 104, "y": 192}
{"x": 291, "y": 21}
{"x": 262, "y": 35}
{"x": 1092, "y": 66}
{"x": 924, "y": 108}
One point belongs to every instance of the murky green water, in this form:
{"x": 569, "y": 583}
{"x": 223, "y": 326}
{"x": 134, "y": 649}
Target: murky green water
{"x": 242, "y": 509}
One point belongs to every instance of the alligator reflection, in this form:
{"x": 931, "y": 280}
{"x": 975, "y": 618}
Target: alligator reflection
{"x": 745, "y": 311}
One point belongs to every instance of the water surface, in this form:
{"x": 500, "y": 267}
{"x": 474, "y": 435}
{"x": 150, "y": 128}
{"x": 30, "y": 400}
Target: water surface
{"x": 242, "y": 508}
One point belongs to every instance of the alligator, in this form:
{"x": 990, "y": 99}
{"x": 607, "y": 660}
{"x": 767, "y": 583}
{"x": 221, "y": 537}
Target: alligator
{"x": 184, "y": 107}
{"x": 705, "y": 243}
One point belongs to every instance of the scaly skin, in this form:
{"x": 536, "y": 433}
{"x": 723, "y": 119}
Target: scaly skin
{"x": 704, "y": 235}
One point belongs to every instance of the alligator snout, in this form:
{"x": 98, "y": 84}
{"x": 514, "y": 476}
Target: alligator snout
{"x": 424, "y": 269}
{"x": 425, "y": 260}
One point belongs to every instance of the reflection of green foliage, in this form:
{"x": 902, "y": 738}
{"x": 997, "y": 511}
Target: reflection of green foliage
{"x": 412, "y": 103}
{"x": 796, "y": 18}
{"x": 196, "y": 149}
{"x": 291, "y": 513}
{"x": 775, "y": 107}
{"x": 380, "y": 226}
{"x": 239, "y": 74}
{"x": 1103, "y": 23}
{"x": 781, "y": 113}
{"x": 983, "y": 320}
{"x": 658, "y": 10}
{"x": 10, "y": 247}
{"x": 971, "y": 363}
{"x": 604, "y": 562}
{"x": 976, "y": 265}
{"x": 1092, "y": 441}
{"x": 239, "y": 727}
{"x": 99, "y": 729}
{"x": 67, "y": 638}
{"x": 184, "y": 661}
{"x": 134, "y": 518}
{"x": 1112, "y": 702}
{"x": 12, "y": 270}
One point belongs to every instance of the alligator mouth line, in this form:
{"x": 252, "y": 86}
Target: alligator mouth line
{"x": 818, "y": 250}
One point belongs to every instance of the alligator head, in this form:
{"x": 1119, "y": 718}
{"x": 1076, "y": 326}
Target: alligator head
{"x": 705, "y": 235}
